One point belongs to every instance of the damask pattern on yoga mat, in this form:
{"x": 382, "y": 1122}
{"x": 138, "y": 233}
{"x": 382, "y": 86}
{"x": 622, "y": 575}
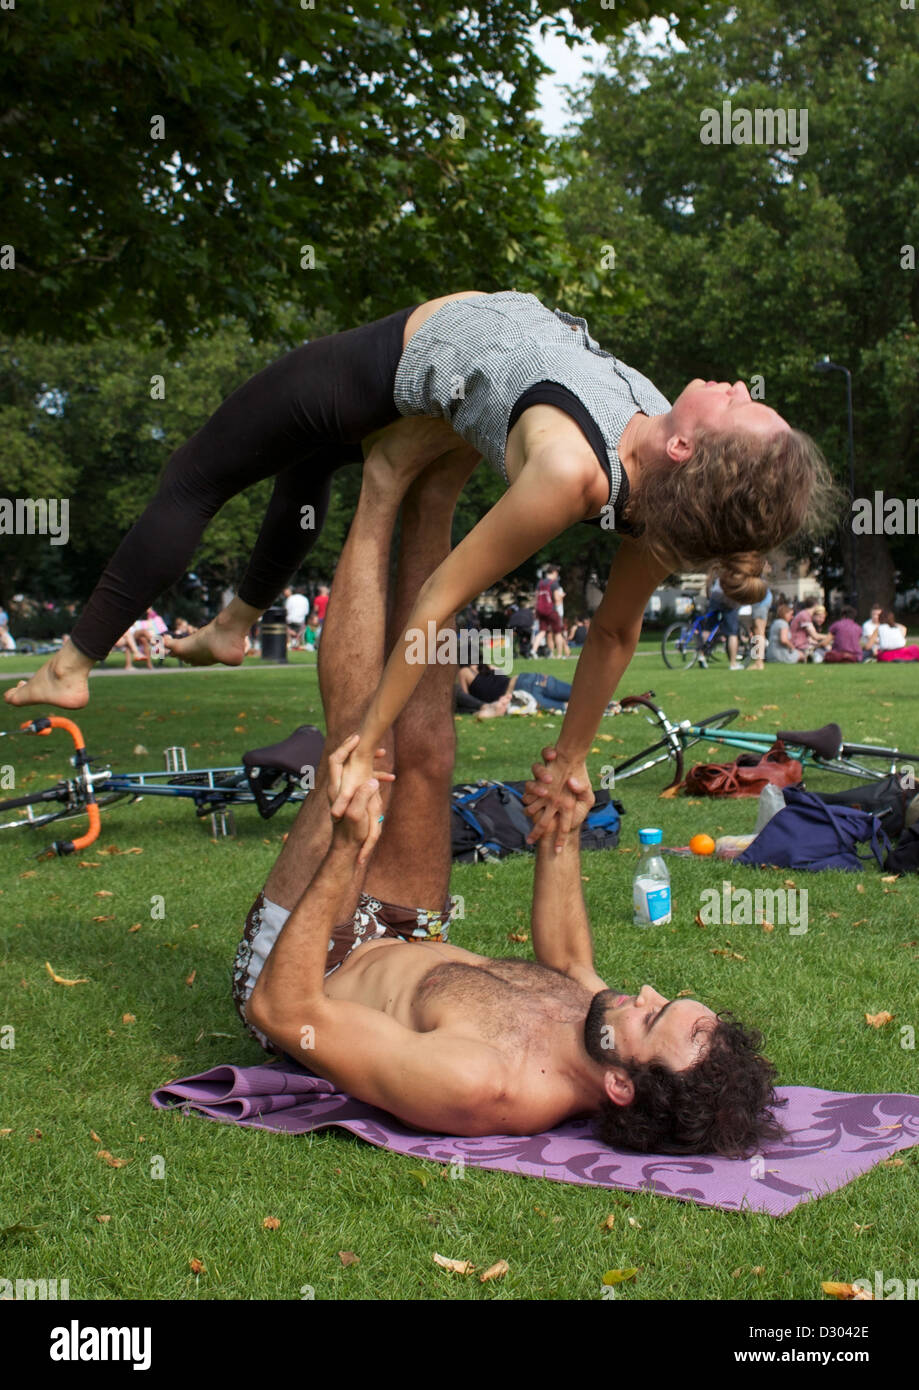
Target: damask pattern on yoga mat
{"x": 834, "y": 1136}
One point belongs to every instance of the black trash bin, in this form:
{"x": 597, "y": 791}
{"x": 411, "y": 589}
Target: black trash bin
{"x": 274, "y": 635}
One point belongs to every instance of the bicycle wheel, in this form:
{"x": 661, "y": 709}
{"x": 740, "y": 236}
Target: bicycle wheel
{"x": 666, "y": 749}
{"x": 680, "y": 647}
{"x": 68, "y": 812}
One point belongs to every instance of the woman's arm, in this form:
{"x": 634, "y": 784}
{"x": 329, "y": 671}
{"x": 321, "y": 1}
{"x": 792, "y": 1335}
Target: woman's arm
{"x": 551, "y": 493}
{"x": 611, "y": 641}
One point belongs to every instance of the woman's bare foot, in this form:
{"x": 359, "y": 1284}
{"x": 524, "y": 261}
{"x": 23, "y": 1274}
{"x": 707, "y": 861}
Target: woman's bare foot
{"x": 62, "y": 681}
{"x": 222, "y": 640}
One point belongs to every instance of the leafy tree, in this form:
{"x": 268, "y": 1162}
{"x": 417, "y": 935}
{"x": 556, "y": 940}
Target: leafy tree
{"x": 172, "y": 164}
{"x": 751, "y": 260}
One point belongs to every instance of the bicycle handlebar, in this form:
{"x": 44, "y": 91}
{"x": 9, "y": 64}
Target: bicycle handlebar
{"x": 44, "y": 726}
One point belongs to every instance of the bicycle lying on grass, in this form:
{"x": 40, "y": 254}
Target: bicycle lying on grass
{"x": 268, "y": 777}
{"x": 822, "y": 749}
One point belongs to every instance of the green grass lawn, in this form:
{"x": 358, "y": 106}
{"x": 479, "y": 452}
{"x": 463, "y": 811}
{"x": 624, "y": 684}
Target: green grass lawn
{"x": 79, "y": 1069}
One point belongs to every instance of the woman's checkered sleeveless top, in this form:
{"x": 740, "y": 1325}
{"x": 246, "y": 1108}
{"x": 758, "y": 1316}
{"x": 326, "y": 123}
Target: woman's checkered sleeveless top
{"x": 473, "y": 359}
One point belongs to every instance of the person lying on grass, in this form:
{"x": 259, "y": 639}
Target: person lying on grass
{"x": 575, "y": 434}
{"x": 345, "y": 963}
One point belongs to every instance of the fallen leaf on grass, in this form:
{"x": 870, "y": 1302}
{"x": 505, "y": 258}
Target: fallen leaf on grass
{"x": 669, "y": 793}
{"x": 103, "y": 1218}
{"x": 58, "y": 980}
{"x": 190, "y": 979}
{"x": 128, "y": 1018}
{"x": 136, "y": 927}
{"x": 885, "y": 1162}
{"x": 111, "y": 1160}
{"x": 758, "y": 1269}
{"x": 618, "y": 1276}
{"x": 698, "y": 920}
{"x": 731, "y": 955}
{"x": 878, "y": 1020}
{"x": 789, "y": 882}
{"x": 94, "y": 1137}
{"x": 348, "y": 1258}
{"x": 889, "y": 878}
{"x": 861, "y": 922}
{"x": 196, "y": 1267}
{"x": 859, "y": 1229}
{"x": 454, "y": 1266}
{"x": 89, "y": 864}
{"x": 845, "y": 1291}
{"x": 103, "y": 893}
{"x": 110, "y": 918}
{"x": 517, "y": 936}
{"x": 29, "y": 873}
{"x": 859, "y": 888}
{"x": 495, "y": 1271}
{"x": 5, "y": 1131}
{"x": 271, "y": 1223}
{"x": 636, "y": 1225}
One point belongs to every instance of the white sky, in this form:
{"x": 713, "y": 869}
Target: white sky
{"x": 571, "y": 66}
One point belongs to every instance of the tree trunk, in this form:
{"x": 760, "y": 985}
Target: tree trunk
{"x": 875, "y": 573}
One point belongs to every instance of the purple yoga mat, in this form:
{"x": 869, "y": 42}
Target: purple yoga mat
{"x": 834, "y": 1137}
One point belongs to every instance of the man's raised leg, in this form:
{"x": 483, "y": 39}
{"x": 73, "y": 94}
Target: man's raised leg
{"x": 412, "y": 860}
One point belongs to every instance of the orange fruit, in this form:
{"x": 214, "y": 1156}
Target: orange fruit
{"x": 702, "y": 844}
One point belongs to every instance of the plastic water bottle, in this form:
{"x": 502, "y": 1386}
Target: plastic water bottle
{"x": 651, "y": 884}
{"x": 771, "y": 801}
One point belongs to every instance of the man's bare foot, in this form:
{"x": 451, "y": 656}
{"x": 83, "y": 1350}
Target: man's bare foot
{"x": 62, "y": 681}
{"x": 400, "y": 452}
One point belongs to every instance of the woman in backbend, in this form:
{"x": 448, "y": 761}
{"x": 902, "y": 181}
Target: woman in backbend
{"x": 576, "y": 435}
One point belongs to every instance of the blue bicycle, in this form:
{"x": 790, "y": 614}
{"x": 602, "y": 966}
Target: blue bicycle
{"x": 701, "y": 637}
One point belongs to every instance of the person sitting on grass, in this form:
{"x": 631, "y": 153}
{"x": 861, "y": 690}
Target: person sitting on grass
{"x": 345, "y": 963}
{"x": 805, "y": 633}
{"x": 889, "y": 641}
{"x": 780, "y": 647}
{"x": 847, "y": 638}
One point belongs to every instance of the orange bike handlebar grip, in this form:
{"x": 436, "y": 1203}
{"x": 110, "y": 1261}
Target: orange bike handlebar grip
{"x": 92, "y": 833}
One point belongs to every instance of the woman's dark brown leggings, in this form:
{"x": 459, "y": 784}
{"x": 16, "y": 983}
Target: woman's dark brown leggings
{"x": 296, "y": 421}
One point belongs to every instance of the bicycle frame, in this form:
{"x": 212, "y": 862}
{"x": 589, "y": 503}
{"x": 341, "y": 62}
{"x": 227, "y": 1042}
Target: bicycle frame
{"x": 211, "y": 793}
{"x": 679, "y": 736}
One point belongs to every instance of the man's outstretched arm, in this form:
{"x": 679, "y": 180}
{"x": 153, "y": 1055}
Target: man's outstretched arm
{"x": 559, "y": 922}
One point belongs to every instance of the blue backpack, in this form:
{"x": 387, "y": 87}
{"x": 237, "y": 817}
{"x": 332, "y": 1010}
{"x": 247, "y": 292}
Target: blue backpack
{"x": 809, "y": 834}
{"x": 489, "y": 822}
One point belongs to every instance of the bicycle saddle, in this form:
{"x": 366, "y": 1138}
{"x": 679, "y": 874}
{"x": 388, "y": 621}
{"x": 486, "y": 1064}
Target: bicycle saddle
{"x": 825, "y": 742}
{"x": 299, "y": 750}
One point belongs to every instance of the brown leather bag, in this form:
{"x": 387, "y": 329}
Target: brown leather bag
{"x": 746, "y": 776}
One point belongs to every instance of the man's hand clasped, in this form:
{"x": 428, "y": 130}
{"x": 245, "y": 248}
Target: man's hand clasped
{"x": 355, "y": 803}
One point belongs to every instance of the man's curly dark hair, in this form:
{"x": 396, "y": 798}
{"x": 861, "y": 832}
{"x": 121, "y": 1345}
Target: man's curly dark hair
{"x": 722, "y": 1104}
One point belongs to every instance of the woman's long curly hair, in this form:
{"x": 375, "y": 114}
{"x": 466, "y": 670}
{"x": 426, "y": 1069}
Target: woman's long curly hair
{"x": 738, "y": 497}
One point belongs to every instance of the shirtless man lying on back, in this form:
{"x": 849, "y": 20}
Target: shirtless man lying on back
{"x": 337, "y": 972}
